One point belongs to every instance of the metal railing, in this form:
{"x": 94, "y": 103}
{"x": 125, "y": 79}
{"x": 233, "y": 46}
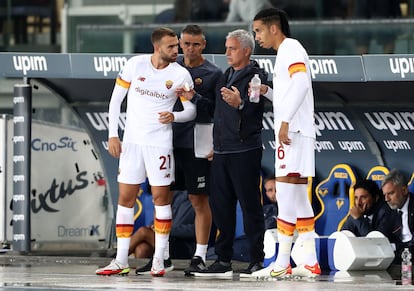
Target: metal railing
{"x": 320, "y": 37}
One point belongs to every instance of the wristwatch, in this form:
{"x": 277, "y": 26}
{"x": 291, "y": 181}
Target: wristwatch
{"x": 240, "y": 107}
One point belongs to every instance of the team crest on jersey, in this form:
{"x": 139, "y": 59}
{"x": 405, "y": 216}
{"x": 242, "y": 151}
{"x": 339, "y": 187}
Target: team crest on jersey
{"x": 142, "y": 79}
{"x": 169, "y": 84}
{"x": 198, "y": 81}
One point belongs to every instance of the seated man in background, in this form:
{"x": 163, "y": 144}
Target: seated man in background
{"x": 396, "y": 194}
{"x": 370, "y": 212}
{"x": 181, "y": 241}
{"x": 270, "y": 209}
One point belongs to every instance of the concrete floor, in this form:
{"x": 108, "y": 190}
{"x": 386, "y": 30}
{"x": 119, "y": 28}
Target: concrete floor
{"x": 31, "y": 272}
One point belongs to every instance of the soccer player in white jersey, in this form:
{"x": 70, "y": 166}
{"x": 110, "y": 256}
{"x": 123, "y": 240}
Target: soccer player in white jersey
{"x": 150, "y": 82}
{"x": 293, "y": 107}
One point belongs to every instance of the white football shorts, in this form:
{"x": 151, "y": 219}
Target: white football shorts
{"x": 140, "y": 161}
{"x": 296, "y": 159}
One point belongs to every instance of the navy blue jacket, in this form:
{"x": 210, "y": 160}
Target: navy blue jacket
{"x": 239, "y": 130}
{"x": 399, "y": 244}
{"x": 382, "y": 215}
{"x": 206, "y": 78}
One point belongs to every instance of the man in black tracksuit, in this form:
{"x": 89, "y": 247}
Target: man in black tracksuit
{"x": 235, "y": 169}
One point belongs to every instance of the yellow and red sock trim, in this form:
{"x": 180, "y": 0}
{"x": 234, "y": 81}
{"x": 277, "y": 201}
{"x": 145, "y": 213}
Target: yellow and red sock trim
{"x": 124, "y": 230}
{"x": 305, "y": 224}
{"x": 162, "y": 226}
{"x": 285, "y": 227}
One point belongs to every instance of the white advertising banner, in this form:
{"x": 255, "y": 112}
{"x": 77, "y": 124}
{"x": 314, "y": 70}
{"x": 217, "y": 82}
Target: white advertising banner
{"x": 69, "y": 200}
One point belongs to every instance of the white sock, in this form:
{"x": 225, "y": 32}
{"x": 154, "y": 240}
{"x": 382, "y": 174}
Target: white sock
{"x": 124, "y": 216}
{"x": 161, "y": 240}
{"x": 309, "y": 249}
{"x": 285, "y": 246}
{"x": 167, "y": 251}
{"x": 201, "y": 251}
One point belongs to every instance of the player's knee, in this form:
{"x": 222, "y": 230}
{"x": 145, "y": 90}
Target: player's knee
{"x": 199, "y": 202}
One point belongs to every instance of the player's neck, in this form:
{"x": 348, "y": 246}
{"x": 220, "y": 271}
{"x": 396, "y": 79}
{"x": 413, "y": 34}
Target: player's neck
{"x": 278, "y": 42}
{"x": 158, "y": 63}
{"x": 193, "y": 63}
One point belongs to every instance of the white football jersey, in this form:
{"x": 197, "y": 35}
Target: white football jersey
{"x": 150, "y": 91}
{"x": 288, "y": 106}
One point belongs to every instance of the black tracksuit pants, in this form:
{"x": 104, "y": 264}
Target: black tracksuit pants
{"x": 236, "y": 176}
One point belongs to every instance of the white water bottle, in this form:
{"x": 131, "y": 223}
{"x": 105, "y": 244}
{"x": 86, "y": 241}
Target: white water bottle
{"x": 255, "y": 89}
{"x": 406, "y": 267}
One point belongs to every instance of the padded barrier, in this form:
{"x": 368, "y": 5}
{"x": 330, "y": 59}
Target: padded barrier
{"x": 271, "y": 247}
{"x": 336, "y": 196}
{"x": 341, "y": 251}
{"x": 346, "y": 252}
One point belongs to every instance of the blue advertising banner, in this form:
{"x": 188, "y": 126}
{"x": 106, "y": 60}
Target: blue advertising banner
{"x": 392, "y": 129}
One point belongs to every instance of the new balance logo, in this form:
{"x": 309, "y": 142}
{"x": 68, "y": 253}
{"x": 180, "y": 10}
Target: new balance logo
{"x": 201, "y": 185}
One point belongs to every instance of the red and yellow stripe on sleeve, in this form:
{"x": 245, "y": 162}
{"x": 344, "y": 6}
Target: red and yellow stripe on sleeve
{"x": 296, "y": 67}
{"x": 122, "y": 83}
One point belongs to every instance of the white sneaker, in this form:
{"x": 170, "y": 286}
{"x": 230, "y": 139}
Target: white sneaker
{"x": 157, "y": 269}
{"x": 273, "y": 271}
{"x": 146, "y": 270}
{"x": 307, "y": 271}
{"x": 113, "y": 268}
{"x": 263, "y": 273}
{"x": 279, "y": 272}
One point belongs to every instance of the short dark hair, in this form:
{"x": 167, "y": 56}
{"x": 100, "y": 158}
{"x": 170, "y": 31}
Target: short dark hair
{"x": 192, "y": 29}
{"x": 274, "y": 16}
{"x": 269, "y": 178}
{"x": 160, "y": 32}
{"x": 371, "y": 187}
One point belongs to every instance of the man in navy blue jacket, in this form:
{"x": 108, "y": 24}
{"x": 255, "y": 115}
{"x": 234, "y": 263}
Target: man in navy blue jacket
{"x": 396, "y": 194}
{"x": 237, "y": 158}
{"x": 370, "y": 212}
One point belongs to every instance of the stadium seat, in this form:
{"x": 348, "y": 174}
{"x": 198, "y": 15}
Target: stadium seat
{"x": 336, "y": 196}
{"x": 239, "y": 222}
{"x": 310, "y": 187}
{"x": 377, "y": 174}
{"x": 411, "y": 184}
{"x": 144, "y": 207}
